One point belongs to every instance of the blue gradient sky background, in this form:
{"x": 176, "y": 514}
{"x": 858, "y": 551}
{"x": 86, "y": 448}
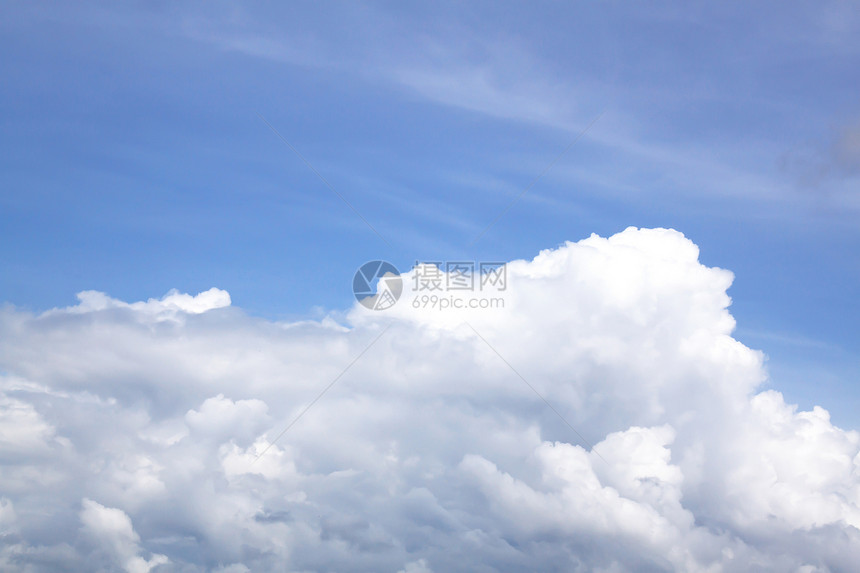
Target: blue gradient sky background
{"x": 134, "y": 162}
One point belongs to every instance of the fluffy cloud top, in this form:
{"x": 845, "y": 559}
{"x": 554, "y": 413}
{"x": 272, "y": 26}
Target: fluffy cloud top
{"x": 170, "y": 304}
{"x": 112, "y": 529}
{"x": 131, "y": 434}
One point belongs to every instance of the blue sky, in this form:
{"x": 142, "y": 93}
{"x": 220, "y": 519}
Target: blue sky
{"x": 134, "y": 161}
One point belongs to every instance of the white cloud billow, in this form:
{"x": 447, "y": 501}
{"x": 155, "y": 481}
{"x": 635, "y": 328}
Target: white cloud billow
{"x": 130, "y": 433}
{"x": 170, "y": 303}
{"x": 112, "y": 528}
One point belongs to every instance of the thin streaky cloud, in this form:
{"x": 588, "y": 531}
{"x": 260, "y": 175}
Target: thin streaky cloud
{"x": 539, "y": 395}
{"x": 323, "y": 179}
{"x": 318, "y": 396}
{"x": 536, "y": 179}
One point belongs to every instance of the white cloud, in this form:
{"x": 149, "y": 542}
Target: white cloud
{"x": 169, "y": 304}
{"x": 419, "y": 566}
{"x": 22, "y": 430}
{"x": 113, "y": 529}
{"x": 429, "y": 453}
{"x": 221, "y": 418}
{"x": 7, "y": 516}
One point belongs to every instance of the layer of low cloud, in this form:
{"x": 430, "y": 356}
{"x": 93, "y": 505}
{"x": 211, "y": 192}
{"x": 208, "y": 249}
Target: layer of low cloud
{"x": 131, "y": 433}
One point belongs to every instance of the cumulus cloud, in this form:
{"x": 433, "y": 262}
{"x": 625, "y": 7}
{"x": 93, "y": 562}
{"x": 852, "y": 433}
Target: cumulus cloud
{"x": 112, "y": 529}
{"x": 132, "y": 433}
{"x": 170, "y": 304}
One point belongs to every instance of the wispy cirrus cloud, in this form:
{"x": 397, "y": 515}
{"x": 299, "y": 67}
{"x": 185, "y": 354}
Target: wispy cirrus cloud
{"x": 506, "y": 78}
